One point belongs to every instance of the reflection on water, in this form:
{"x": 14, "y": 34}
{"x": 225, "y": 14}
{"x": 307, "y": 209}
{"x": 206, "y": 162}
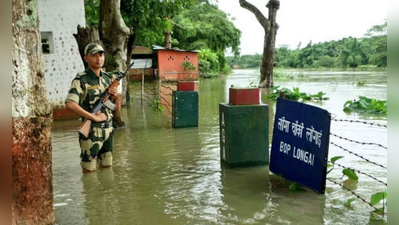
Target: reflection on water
{"x": 173, "y": 176}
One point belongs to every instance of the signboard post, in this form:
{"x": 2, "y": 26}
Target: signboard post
{"x": 300, "y": 143}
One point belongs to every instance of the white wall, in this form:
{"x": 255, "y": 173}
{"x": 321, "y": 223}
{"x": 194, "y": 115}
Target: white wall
{"x": 61, "y": 17}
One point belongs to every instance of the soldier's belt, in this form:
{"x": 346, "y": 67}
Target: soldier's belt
{"x": 101, "y": 125}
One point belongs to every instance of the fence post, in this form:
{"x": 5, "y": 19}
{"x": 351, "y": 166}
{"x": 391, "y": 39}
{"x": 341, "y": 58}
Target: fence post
{"x": 142, "y": 88}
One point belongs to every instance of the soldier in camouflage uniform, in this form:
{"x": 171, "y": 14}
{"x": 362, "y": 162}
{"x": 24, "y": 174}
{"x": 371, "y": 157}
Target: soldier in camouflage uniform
{"x": 86, "y": 89}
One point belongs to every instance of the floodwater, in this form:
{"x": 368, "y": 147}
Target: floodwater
{"x": 174, "y": 176}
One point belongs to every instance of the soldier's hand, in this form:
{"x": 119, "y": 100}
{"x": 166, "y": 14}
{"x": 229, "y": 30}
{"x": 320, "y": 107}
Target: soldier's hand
{"x": 100, "y": 117}
{"x": 113, "y": 91}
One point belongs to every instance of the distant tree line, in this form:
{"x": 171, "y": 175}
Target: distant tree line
{"x": 371, "y": 50}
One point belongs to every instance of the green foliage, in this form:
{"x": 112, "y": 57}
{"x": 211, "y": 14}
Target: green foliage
{"x": 92, "y": 12}
{"x": 245, "y": 61}
{"x": 378, "y": 36}
{"x": 295, "y": 187}
{"x": 156, "y": 104}
{"x": 345, "y": 53}
{"x": 348, "y": 202}
{"x": 366, "y": 105}
{"x": 196, "y": 25}
{"x": 295, "y": 94}
{"x": 329, "y": 165}
{"x": 252, "y": 84}
{"x": 334, "y": 159}
{"x": 378, "y": 197}
{"x": 374, "y": 199}
{"x": 148, "y": 18}
{"x": 378, "y": 30}
{"x": 151, "y": 18}
{"x": 110, "y": 62}
{"x": 350, "y": 174}
{"x": 204, "y": 27}
{"x": 226, "y": 69}
{"x": 208, "y": 64}
{"x": 188, "y": 65}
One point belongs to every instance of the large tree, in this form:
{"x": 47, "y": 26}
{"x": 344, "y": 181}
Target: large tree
{"x": 32, "y": 188}
{"x": 270, "y": 27}
{"x": 151, "y": 19}
{"x": 204, "y": 26}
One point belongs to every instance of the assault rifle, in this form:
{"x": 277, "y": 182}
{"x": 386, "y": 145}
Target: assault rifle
{"x": 84, "y": 129}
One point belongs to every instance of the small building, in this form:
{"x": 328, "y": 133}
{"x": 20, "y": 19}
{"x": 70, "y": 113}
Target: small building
{"x": 143, "y": 59}
{"x": 167, "y": 64}
{"x": 176, "y": 65}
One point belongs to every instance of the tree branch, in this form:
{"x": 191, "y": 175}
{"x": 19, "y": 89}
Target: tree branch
{"x": 177, "y": 25}
{"x": 258, "y": 14}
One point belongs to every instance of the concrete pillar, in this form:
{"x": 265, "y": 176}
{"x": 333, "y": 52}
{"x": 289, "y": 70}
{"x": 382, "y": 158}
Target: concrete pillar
{"x": 244, "y": 129}
{"x": 185, "y": 104}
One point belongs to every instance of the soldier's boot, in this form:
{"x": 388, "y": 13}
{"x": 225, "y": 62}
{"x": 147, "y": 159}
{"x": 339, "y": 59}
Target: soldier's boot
{"x": 89, "y": 166}
{"x": 106, "y": 159}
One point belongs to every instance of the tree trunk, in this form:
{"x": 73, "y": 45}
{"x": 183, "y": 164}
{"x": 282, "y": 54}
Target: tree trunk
{"x": 115, "y": 34}
{"x": 130, "y": 44}
{"x": 270, "y": 27}
{"x": 85, "y": 36}
{"x": 32, "y": 188}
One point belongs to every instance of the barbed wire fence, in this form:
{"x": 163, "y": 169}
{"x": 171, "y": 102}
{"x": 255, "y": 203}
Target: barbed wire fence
{"x": 341, "y": 184}
{"x": 362, "y": 122}
{"x": 359, "y": 142}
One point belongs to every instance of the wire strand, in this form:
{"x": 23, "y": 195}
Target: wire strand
{"x": 358, "y": 142}
{"x": 363, "y": 122}
{"x": 358, "y": 155}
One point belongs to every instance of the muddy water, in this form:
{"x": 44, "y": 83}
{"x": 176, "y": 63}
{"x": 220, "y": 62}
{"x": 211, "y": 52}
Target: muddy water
{"x": 173, "y": 176}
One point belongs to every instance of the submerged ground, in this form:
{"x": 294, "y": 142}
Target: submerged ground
{"x": 174, "y": 176}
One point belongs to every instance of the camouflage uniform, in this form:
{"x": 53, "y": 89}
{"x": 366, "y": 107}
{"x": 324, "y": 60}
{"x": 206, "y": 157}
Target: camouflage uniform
{"x": 85, "y": 90}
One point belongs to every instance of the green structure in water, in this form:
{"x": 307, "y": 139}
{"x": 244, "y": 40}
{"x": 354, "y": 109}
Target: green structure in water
{"x": 185, "y": 109}
{"x": 244, "y": 134}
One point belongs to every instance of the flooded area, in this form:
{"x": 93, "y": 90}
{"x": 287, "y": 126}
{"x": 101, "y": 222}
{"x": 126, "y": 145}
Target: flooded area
{"x": 163, "y": 175}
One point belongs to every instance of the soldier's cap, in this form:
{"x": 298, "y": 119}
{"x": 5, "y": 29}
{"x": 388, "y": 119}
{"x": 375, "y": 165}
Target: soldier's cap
{"x": 93, "y": 48}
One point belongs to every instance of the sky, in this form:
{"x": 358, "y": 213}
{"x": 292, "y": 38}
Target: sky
{"x": 306, "y": 20}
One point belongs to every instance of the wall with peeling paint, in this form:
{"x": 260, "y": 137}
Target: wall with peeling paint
{"x": 61, "y": 17}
